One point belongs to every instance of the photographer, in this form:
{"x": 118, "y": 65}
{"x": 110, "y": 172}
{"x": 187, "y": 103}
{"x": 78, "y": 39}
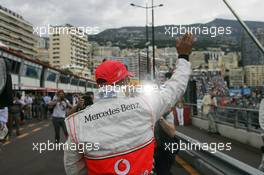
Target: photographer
{"x": 16, "y": 113}
{"x": 83, "y": 102}
{"x": 60, "y": 105}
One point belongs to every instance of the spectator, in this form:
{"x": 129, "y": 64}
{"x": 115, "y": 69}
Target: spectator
{"x": 28, "y": 108}
{"x": 46, "y": 99}
{"x": 209, "y": 104}
{"x": 88, "y": 100}
{"x": 59, "y": 105}
{"x": 38, "y": 102}
{"x": 83, "y": 102}
{"x": 206, "y": 105}
{"x": 165, "y": 133}
{"x": 180, "y": 110}
{"x": 75, "y": 99}
{"x": 69, "y": 97}
{"x": 90, "y": 93}
{"x": 15, "y": 113}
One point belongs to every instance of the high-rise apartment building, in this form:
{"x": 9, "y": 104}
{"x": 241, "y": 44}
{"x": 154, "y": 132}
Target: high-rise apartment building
{"x": 254, "y": 75}
{"x": 236, "y": 77}
{"x": 197, "y": 59}
{"x": 230, "y": 60}
{"x": 107, "y": 52}
{"x": 69, "y": 49}
{"x": 43, "y": 49}
{"x": 17, "y": 33}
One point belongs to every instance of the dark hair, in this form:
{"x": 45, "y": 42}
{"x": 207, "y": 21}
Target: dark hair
{"x": 18, "y": 95}
{"x": 88, "y": 100}
{"x": 101, "y": 81}
{"x": 60, "y": 90}
{"x": 168, "y": 75}
{"x": 89, "y": 93}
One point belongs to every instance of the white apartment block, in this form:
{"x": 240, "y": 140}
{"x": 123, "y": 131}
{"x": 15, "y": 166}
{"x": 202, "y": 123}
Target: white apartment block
{"x": 17, "y": 33}
{"x": 69, "y": 49}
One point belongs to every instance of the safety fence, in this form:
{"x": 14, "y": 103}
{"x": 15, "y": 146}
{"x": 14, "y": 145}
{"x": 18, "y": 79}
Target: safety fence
{"x": 243, "y": 118}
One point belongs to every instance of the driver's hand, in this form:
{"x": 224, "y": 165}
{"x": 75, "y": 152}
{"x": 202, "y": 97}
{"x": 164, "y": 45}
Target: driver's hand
{"x": 184, "y": 44}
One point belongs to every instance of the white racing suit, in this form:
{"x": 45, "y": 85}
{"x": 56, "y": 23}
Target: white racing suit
{"x": 119, "y": 131}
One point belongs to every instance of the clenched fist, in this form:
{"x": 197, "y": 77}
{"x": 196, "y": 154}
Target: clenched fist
{"x": 184, "y": 44}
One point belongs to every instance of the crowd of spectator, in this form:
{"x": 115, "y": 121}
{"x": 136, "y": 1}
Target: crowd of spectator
{"x": 213, "y": 81}
{"x": 208, "y": 81}
{"x": 251, "y": 101}
{"x": 31, "y": 106}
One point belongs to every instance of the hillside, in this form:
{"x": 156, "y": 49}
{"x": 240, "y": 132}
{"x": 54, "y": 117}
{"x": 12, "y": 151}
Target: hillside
{"x": 135, "y": 36}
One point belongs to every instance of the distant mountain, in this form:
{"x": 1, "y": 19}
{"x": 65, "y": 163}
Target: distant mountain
{"x": 136, "y": 36}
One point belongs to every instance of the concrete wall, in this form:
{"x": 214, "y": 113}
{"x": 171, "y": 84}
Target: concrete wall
{"x": 241, "y": 135}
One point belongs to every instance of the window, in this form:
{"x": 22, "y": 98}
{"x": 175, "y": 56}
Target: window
{"x": 74, "y": 81}
{"x": 51, "y": 76}
{"x": 15, "y": 66}
{"x": 90, "y": 85}
{"x": 64, "y": 79}
{"x": 32, "y": 72}
{"x": 82, "y": 83}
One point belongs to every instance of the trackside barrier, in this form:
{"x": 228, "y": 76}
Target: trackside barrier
{"x": 242, "y": 118}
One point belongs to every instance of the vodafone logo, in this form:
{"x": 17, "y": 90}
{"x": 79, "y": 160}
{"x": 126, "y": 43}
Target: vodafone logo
{"x": 122, "y": 167}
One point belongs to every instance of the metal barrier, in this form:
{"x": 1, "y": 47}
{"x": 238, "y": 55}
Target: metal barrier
{"x": 214, "y": 163}
{"x": 243, "y": 118}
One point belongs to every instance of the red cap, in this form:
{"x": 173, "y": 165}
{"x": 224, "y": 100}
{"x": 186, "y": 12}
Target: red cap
{"x": 112, "y": 71}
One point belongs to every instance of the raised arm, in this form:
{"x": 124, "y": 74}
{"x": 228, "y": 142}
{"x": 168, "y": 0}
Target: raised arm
{"x": 175, "y": 87}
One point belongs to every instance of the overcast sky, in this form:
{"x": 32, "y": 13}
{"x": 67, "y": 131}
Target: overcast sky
{"x": 118, "y": 13}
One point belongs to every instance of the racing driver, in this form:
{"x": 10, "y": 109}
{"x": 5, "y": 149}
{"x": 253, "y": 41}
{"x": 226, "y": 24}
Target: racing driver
{"x": 116, "y": 132}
